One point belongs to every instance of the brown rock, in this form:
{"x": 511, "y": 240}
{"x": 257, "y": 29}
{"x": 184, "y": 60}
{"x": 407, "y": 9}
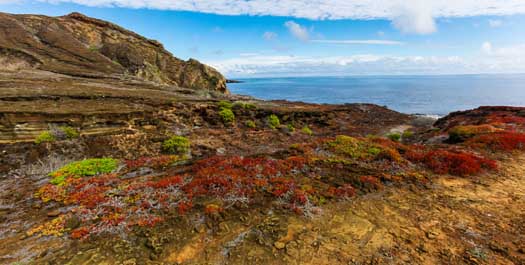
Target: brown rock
{"x": 78, "y": 45}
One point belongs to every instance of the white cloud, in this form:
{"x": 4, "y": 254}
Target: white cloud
{"x": 514, "y": 52}
{"x": 297, "y": 30}
{"x": 495, "y": 23}
{"x": 370, "y": 42}
{"x": 407, "y": 15}
{"x": 493, "y": 60}
{"x": 269, "y": 35}
{"x": 415, "y": 17}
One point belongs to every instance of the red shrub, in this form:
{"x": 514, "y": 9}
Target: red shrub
{"x": 448, "y": 162}
{"x": 343, "y": 192}
{"x": 504, "y": 141}
{"x": 80, "y": 233}
{"x": 370, "y": 182}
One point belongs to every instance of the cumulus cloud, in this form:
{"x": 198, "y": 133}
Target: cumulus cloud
{"x": 297, "y": 30}
{"x": 269, "y": 35}
{"x": 415, "y": 16}
{"x": 369, "y": 42}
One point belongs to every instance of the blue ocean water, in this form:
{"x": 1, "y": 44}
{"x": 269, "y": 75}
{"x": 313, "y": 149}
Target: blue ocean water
{"x": 432, "y": 95}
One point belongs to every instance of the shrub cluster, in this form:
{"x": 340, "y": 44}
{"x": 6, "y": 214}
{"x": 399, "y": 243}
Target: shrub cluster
{"x": 60, "y": 133}
{"x": 273, "y": 121}
{"x": 451, "y": 162}
{"x": 225, "y": 112}
{"x": 87, "y": 167}
{"x": 176, "y": 145}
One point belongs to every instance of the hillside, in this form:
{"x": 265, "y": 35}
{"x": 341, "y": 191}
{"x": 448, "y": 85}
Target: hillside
{"x": 81, "y": 46}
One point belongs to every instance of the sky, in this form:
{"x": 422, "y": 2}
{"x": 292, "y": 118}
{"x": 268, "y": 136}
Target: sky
{"x": 267, "y": 38}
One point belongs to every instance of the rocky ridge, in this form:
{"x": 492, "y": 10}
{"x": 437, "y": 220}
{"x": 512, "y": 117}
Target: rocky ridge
{"x": 82, "y": 46}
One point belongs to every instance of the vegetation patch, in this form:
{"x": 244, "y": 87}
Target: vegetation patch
{"x": 451, "y": 162}
{"x": 87, "y": 167}
{"x": 69, "y": 132}
{"x": 307, "y": 130}
{"x": 227, "y": 115}
{"x": 46, "y": 136}
{"x": 176, "y": 145}
{"x": 273, "y": 121}
{"x": 396, "y": 137}
{"x": 250, "y": 124}
{"x": 464, "y": 132}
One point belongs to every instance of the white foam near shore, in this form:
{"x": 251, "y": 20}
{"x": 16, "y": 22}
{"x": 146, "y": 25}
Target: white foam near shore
{"x": 430, "y": 116}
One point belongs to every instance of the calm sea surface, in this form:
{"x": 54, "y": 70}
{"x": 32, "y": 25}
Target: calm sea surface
{"x": 433, "y": 95}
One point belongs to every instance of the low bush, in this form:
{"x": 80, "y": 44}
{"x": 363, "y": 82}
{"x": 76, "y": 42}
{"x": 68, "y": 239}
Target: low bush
{"x": 307, "y": 130}
{"x": 273, "y": 121}
{"x": 407, "y": 134}
{"x": 502, "y": 141}
{"x": 396, "y": 137}
{"x": 451, "y": 162}
{"x": 87, "y": 167}
{"x": 227, "y": 115}
{"x": 464, "y": 132}
{"x": 250, "y": 124}
{"x": 225, "y": 105}
{"x": 290, "y": 128}
{"x": 244, "y": 105}
{"x": 69, "y": 132}
{"x": 176, "y": 145}
{"x": 46, "y": 136}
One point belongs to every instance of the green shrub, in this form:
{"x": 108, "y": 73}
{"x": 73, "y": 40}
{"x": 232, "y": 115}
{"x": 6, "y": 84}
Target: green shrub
{"x": 176, "y": 145}
{"x": 290, "y": 127}
{"x": 307, "y": 130}
{"x": 70, "y": 132}
{"x": 396, "y": 137}
{"x": 225, "y": 105}
{"x": 273, "y": 121}
{"x": 87, "y": 167}
{"x": 244, "y": 105}
{"x": 407, "y": 134}
{"x": 250, "y": 124}
{"x": 227, "y": 115}
{"x": 46, "y": 136}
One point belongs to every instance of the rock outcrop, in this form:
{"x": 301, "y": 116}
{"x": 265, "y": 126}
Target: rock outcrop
{"x": 78, "y": 45}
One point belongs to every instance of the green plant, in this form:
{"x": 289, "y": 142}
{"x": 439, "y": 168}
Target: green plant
{"x": 273, "y": 121}
{"x": 225, "y": 105}
{"x": 250, "y": 124}
{"x": 227, "y": 115}
{"x": 244, "y": 105}
{"x": 46, "y": 136}
{"x": 407, "y": 134}
{"x": 70, "y": 132}
{"x": 290, "y": 127}
{"x": 176, "y": 145}
{"x": 307, "y": 130}
{"x": 87, "y": 167}
{"x": 396, "y": 137}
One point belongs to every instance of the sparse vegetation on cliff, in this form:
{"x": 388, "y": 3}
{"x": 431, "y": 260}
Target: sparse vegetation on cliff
{"x": 176, "y": 145}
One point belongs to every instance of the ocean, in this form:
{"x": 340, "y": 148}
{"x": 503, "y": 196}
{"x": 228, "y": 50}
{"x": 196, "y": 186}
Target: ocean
{"x": 428, "y": 95}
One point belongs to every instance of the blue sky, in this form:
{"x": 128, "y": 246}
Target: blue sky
{"x": 267, "y": 38}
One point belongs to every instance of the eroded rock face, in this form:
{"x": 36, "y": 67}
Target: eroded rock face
{"x": 78, "y": 45}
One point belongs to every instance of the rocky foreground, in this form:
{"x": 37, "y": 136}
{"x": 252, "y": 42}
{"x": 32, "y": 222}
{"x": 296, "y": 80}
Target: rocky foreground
{"x": 121, "y": 168}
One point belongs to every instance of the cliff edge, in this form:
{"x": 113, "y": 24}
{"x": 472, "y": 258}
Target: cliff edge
{"x": 78, "y": 45}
